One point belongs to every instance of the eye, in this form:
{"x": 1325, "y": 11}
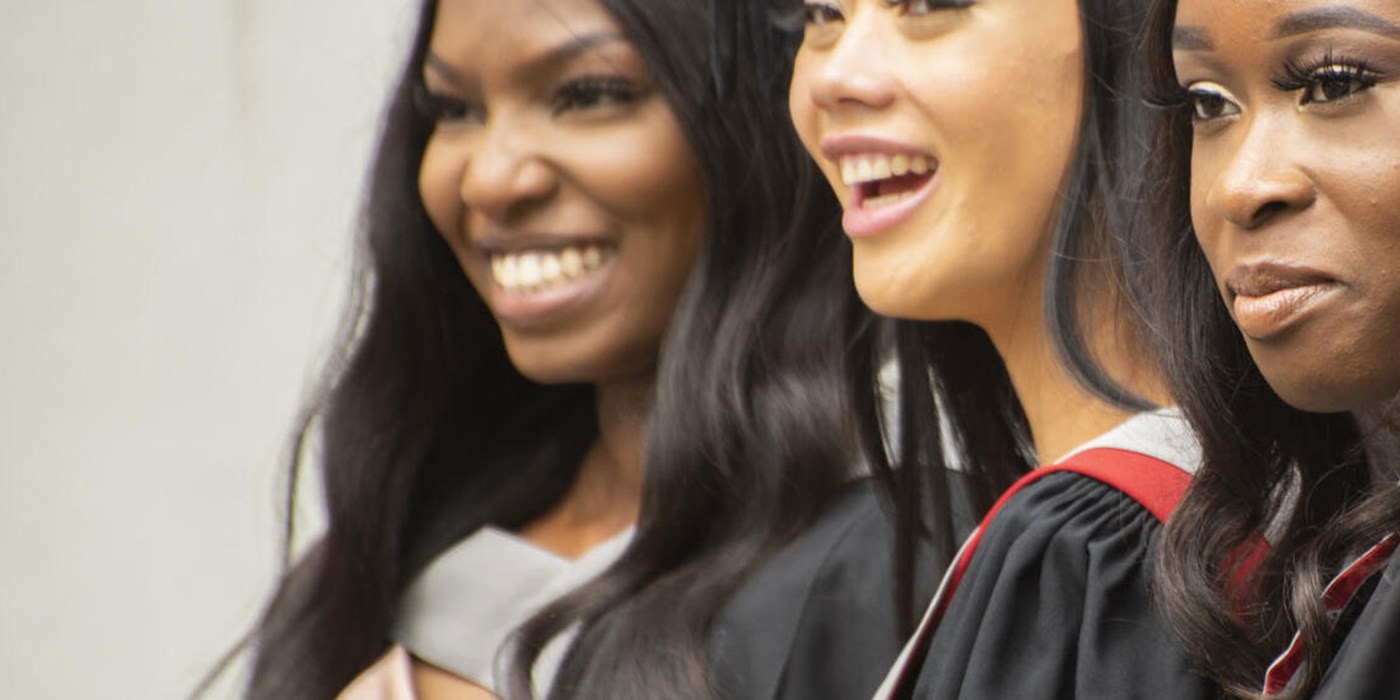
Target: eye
{"x": 439, "y": 108}
{"x": 592, "y": 92}
{"x": 1210, "y": 102}
{"x": 918, "y": 8}
{"x": 1334, "y": 83}
{"x": 1327, "y": 81}
{"x": 820, "y": 14}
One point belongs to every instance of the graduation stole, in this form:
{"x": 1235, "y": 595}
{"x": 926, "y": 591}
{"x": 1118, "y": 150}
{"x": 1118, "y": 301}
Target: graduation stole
{"x": 1337, "y": 596}
{"x": 1155, "y": 484}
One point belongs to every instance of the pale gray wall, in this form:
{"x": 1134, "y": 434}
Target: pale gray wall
{"x": 178, "y": 182}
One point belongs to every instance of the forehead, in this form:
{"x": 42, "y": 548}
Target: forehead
{"x": 515, "y": 28}
{"x": 1200, "y": 22}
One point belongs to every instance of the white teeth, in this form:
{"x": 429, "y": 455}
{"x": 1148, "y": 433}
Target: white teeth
{"x": 870, "y": 167}
{"x": 572, "y": 261}
{"x": 538, "y": 270}
{"x": 592, "y": 257}
{"x": 530, "y": 269}
{"x": 550, "y": 268}
{"x": 885, "y": 200}
{"x": 880, "y": 169}
{"x": 848, "y": 171}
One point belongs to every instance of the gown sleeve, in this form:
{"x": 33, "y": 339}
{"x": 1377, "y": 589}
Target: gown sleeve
{"x": 818, "y": 620}
{"x": 1368, "y": 663}
{"x": 1055, "y": 604}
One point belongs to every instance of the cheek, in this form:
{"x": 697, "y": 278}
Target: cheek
{"x": 439, "y": 184}
{"x": 645, "y": 175}
{"x": 1205, "y": 225}
{"x": 800, "y": 105}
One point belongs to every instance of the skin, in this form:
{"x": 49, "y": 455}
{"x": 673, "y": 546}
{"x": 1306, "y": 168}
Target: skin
{"x": 994, "y": 91}
{"x": 1306, "y": 176}
{"x": 550, "y": 132}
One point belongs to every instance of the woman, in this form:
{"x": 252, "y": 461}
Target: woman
{"x": 979, "y": 148}
{"x": 1279, "y": 150}
{"x": 550, "y": 175}
{"x": 740, "y": 584}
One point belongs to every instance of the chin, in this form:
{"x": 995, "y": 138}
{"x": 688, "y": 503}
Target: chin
{"x": 1316, "y": 392}
{"x": 885, "y": 301}
{"x": 577, "y": 361}
{"x": 549, "y": 363}
{"x": 884, "y": 292}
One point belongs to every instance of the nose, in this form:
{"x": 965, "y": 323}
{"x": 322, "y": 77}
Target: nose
{"x": 1261, "y": 180}
{"x": 506, "y": 173}
{"x": 853, "y": 73}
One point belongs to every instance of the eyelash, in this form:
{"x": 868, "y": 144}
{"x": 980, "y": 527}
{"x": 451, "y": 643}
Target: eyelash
{"x": 1193, "y": 100}
{"x": 580, "y": 93}
{"x": 438, "y": 108}
{"x": 820, "y": 13}
{"x": 1331, "y": 71}
{"x": 594, "y": 91}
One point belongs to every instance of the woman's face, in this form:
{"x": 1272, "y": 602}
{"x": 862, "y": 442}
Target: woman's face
{"x": 1295, "y": 186}
{"x": 562, "y": 181}
{"x": 946, "y": 128}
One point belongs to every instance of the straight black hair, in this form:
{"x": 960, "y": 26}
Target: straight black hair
{"x": 1303, "y": 478}
{"x": 955, "y": 396}
{"x": 640, "y": 624}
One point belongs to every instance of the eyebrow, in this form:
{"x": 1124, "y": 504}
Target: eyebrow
{"x": 553, "y": 58}
{"x": 1335, "y": 17}
{"x": 1191, "y": 39}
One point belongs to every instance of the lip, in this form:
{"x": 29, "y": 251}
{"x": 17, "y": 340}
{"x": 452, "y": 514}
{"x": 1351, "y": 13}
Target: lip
{"x": 540, "y": 310}
{"x": 858, "y": 221}
{"x": 835, "y": 147}
{"x": 496, "y": 240}
{"x": 1269, "y": 298}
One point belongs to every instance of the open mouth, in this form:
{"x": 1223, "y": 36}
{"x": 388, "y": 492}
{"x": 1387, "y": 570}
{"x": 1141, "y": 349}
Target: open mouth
{"x": 880, "y": 180}
{"x": 533, "y": 271}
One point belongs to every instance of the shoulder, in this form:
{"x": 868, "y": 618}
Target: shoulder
{"x": 1365, "y": 664}
{"x": 1066, "y": 509}
{"x": 819, "y": 616}
{"x": 1056, "y": 603}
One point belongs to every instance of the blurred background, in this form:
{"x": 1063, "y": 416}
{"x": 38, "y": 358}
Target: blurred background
{"x": 179, "y": 184}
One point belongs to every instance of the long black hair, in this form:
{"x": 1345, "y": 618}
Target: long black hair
{"x": 1304, "y": 478}
{"x": 415, "y": 449}
{"x": 751, "y": 435}
{"x": 955, "y": 396}
{"x": 640, "y": 621}
{"x": 429, "y": 433}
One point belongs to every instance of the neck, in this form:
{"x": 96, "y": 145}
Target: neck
{"x": 1061, "y": 412}
{"x": 607, "y": 492}
{"x": 614, "y": 466}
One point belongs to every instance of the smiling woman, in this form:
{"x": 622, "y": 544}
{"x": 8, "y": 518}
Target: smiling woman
{"x": 579, "y": 353}
{"x": 563, "y": 183}
{"x": 1280, "y": 147}
{"x": 982, "y": 150}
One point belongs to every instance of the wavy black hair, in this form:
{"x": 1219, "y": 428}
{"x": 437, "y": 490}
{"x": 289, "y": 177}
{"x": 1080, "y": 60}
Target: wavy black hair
{"x": 639, "y": 624}
{"x": 1304, "y": 478}
{"x": 751, "y": 436}
{"x": 429, "y": 433}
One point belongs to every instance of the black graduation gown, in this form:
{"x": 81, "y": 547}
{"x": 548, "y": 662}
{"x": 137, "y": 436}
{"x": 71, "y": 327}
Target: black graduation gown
{"x": 1367, "y": 665}
{"x": 1055, "y": 604}
{"x": 817, "y": 621}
